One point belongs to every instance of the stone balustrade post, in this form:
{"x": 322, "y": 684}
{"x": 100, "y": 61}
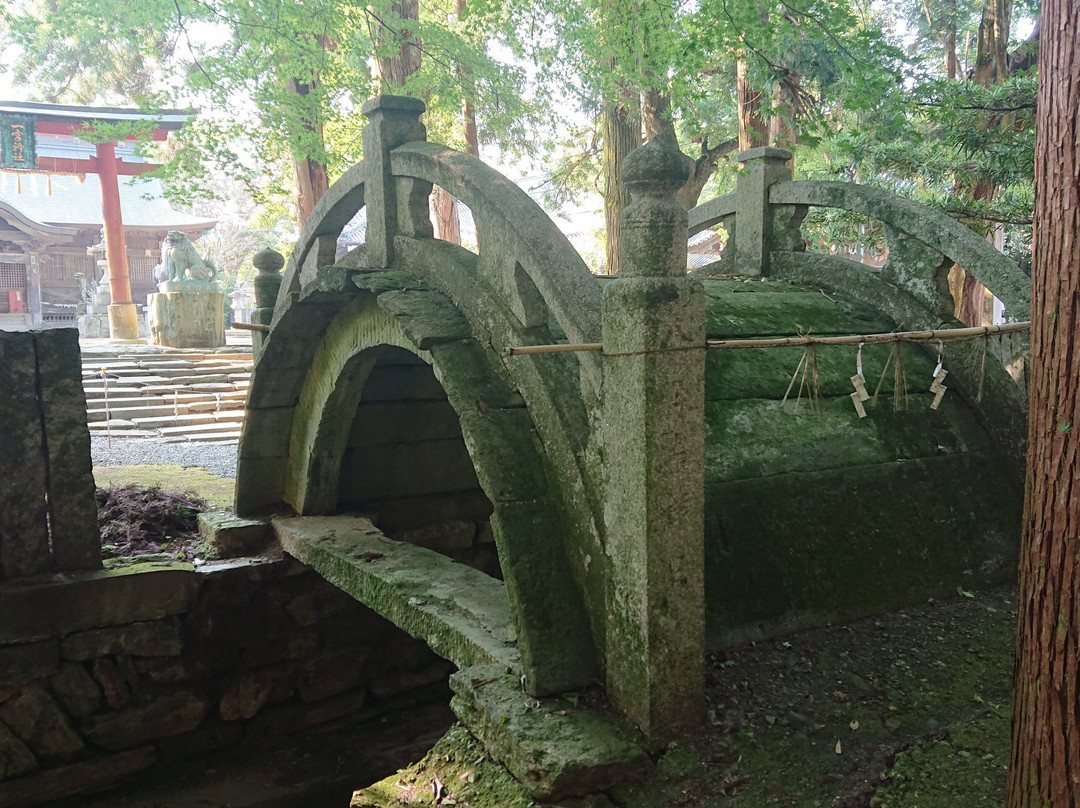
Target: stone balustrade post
{"x": 653, "y": 428}
{"x": 267, "y": 284}
{"x": 758, "y": 169}
{"x": 392, "y": 121}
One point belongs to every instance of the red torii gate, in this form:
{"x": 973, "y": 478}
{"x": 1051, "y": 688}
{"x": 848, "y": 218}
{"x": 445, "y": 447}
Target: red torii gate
{"x": 21, "y": 122}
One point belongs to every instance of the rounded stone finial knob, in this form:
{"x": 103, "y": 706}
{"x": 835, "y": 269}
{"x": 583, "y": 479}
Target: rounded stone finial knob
{"x": 268, "y": 261}
{"x": 656, "y": 169}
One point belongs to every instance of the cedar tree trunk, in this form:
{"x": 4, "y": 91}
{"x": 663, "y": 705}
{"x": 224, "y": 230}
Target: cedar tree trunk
{"x": 991, "y": 67}
{"x": 753, "y": 131}
{"x": 447, "y": 219}
{"x": 397, "y": 46}
{"x": 1044, "y": 771}
{"x": 622, "y": 134}
{"x": 309, "y": 174}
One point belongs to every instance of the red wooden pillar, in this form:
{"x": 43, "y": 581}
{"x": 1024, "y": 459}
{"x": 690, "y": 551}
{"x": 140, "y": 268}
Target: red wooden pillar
{"x": 123, "y": 317}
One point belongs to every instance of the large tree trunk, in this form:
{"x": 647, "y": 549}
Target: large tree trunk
{"x": 397, "y": 46}
{"x": 1044, "y": 771}
{"x": 656, "y": 115}
{"x": 306, "y": 130}
{"x": 992, "y": 53}
{"x": 782, "y": 121}
{"x": 753, "y": 130}
{"x": 622, "y": 134}
{"x": 991, "y": 67}
{"x": 656, "y": 108}
{"x": 447, "y": 221}
{"x": 468, "y": 118}
{"x": 447, "y": 218}
{"x": 702, "y": 169}
{"x": 950, "y": 40}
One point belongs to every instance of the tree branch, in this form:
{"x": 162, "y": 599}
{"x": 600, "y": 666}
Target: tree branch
{"x": 187, "y": 37}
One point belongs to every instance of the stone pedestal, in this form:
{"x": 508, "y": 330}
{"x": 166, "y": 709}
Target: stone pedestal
{"x": 123, "y": 321}
{"x": 184, "y": 320}
{"x": 95, "y": 323}
{"x": 94, "y": 326}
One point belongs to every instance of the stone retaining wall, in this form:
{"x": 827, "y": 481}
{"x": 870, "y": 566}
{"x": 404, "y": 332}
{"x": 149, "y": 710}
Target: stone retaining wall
{"x": 48, "y": 516}
{"x": 104, "y": 674}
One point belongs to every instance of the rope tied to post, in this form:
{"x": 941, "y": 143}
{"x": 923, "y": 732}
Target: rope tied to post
{"x": 930, "y": 335}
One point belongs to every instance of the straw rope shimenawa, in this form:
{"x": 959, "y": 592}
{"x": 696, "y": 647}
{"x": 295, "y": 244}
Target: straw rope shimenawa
{"x": 936, "y": 335}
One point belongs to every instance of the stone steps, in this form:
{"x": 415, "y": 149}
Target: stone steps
{"x": 175, "y": 395}
{"x": 163, "y": 424}
{"x": 209, "y": 438}
{"x": 130, "y": 413}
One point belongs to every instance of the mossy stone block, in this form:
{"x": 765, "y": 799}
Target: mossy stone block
{"x": 553, "y": 748}
{"x": 794, "y": 550}
{"x": 783, "y": 312}
{"x": 426, "y": 317}
{"x": 761, "y": 438}
{"x": 110, "y": 597}
{"x": 24, "y": 537}
{"x": 461, "y": 613}
{"x": 76, "y": 539}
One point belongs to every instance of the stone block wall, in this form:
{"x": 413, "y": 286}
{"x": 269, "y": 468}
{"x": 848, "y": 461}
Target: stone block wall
{"x": 406, "y": 464}
{"x": 813, "y": 515}
{"x": 48, "y": 515}
{"x": 109, "y": 673}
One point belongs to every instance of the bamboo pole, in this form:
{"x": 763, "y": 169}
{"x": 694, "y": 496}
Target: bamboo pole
{"x": 934, "y": 335}
{"x": 251, "y": 327}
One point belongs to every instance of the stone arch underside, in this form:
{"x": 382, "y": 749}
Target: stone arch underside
{"x": 308, "y": 443}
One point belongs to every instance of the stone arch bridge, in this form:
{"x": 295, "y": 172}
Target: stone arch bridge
{"x": 619, "y": 511}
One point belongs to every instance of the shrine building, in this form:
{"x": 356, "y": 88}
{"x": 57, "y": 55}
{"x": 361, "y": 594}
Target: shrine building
{"x": 58, "y": 195}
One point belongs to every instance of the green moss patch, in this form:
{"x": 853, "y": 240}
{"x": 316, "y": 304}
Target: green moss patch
{"x": 217, "y": 491}
{"x": 456, "y": 771}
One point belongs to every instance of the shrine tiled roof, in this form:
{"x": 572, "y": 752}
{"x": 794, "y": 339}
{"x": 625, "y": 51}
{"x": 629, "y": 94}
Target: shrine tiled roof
{"x": 162, "y": 118}
{"x": 76, "y": 200}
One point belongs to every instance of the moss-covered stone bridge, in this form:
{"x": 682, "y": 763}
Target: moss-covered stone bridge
{"x": 617, "y": 513}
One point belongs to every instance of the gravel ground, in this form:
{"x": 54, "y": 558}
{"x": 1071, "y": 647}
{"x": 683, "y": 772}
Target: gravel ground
{"x": 218, "y": 460}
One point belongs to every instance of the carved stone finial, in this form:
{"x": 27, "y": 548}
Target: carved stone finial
{"x": 652, "y": 241}
{"x": 656, "y": 169}
{"x": 394, "y": 103}
{"x": 267, "y": 283}
{"x": 268, "y": 261}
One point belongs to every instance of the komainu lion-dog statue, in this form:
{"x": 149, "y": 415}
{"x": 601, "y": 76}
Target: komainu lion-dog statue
{"x": 180, "y": 262}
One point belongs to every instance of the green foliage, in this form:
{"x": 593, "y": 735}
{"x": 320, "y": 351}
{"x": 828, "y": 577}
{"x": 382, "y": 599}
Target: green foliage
{"x": 822, "y": 55}
{"x": 275, "y": 81}
{"x": 936, "y": 142}
{"x": 90, "y": 51}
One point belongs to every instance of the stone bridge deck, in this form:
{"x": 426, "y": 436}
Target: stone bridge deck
{"x": 461, "y": 613}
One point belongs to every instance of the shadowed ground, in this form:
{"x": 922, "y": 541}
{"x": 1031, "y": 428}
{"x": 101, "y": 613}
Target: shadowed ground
{"x": 909, "y": 710}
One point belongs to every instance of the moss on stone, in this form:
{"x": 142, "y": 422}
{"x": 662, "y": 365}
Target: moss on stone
{"x": 460, "y": 763}
{"x": 881, "y": 536}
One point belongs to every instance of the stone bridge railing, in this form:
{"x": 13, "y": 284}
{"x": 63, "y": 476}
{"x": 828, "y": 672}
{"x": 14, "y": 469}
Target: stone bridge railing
{"x": 592, "y": 463}
{"x": 764, "y": 216}
{"x": 456, "y": 310}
